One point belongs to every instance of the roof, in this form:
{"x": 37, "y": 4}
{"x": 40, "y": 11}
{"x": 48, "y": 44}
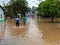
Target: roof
{"x": 1, "y": 7}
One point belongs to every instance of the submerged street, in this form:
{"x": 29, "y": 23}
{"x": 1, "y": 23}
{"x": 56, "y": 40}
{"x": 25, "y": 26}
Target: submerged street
{"x": 36, "y": 32}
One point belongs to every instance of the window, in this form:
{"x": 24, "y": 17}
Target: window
{"x": 1, "y": 15}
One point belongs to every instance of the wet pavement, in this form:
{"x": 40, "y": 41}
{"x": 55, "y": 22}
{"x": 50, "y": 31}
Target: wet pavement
{"x": 34, "y": 33}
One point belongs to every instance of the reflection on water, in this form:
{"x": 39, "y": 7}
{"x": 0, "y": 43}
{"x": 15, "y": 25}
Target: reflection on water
{"x": 34, "y": 33}
{"x": 2, "y": 31}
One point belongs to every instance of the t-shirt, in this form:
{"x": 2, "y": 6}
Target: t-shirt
{"x": 24, "y": 19}
{"x": 17, "y": 19}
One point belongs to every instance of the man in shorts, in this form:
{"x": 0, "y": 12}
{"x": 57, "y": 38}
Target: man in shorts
{"x": 17, "y": 21}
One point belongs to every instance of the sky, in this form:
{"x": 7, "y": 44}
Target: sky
{"x": 1, "y": 2}
{"x": 31, "y": 3}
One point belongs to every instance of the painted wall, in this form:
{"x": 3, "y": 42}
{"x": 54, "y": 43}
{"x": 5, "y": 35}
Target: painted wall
{"x": 2, "y": 16}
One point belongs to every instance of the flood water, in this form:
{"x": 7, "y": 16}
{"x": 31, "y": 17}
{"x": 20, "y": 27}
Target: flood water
{"x": 36, "y": 32}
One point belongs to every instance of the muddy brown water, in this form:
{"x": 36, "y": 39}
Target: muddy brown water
{"x": 36, "y": 32}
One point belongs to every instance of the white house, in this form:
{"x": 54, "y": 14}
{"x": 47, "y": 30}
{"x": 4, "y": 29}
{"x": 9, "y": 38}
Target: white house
{"x": 2, "y": 16}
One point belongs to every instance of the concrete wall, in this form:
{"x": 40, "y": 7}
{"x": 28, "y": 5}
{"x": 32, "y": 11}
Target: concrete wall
{"x": 2, "y": 16}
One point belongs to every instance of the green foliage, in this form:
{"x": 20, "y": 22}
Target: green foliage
{"x": 20, "y": 6}
{"x": 50, "y": 7}
{"x": 10, "y": 13}
{"x": 17, "y": 6}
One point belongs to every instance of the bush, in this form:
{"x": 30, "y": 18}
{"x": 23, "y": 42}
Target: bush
{"x": 10, "y": 14}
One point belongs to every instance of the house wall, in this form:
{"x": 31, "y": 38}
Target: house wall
{"x": 2, "y": 16}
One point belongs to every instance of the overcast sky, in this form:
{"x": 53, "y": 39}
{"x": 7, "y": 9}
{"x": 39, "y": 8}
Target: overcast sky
{"x": 1, "y": 1}
{"x": 33, "y": 3}
{"x": 30, "y": 2}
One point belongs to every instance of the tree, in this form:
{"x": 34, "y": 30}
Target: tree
{"x": 50, "y": 8}
{"x": 18, "y": 6}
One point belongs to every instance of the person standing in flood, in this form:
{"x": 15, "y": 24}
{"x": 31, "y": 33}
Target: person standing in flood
{"x": 17, "y": 21}
{"x": 24, "y": 20}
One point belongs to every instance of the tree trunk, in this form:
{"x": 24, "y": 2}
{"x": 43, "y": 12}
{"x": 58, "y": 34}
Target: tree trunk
{"x": 52, "y": 18}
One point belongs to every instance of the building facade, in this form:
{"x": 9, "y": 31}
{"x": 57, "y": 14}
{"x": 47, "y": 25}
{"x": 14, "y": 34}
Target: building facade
{"x": 2, "y": 16}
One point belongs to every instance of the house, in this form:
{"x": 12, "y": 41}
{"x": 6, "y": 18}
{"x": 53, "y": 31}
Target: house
{"x": 2, "y": 16}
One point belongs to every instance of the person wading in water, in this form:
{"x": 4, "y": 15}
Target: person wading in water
{"x": 17, "y": 21}
{"x": 24, "y": 20}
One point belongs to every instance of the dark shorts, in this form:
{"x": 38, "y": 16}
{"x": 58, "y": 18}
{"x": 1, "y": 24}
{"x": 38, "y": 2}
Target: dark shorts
{"x": 17, "y": 23}
{"x": 24, "y": 23}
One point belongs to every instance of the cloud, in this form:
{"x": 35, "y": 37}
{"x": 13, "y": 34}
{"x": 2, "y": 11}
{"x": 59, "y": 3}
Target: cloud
{"x": 5, "y": 1}
{"x": 33, "y": 3}
{"x": 30, "y": 2}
